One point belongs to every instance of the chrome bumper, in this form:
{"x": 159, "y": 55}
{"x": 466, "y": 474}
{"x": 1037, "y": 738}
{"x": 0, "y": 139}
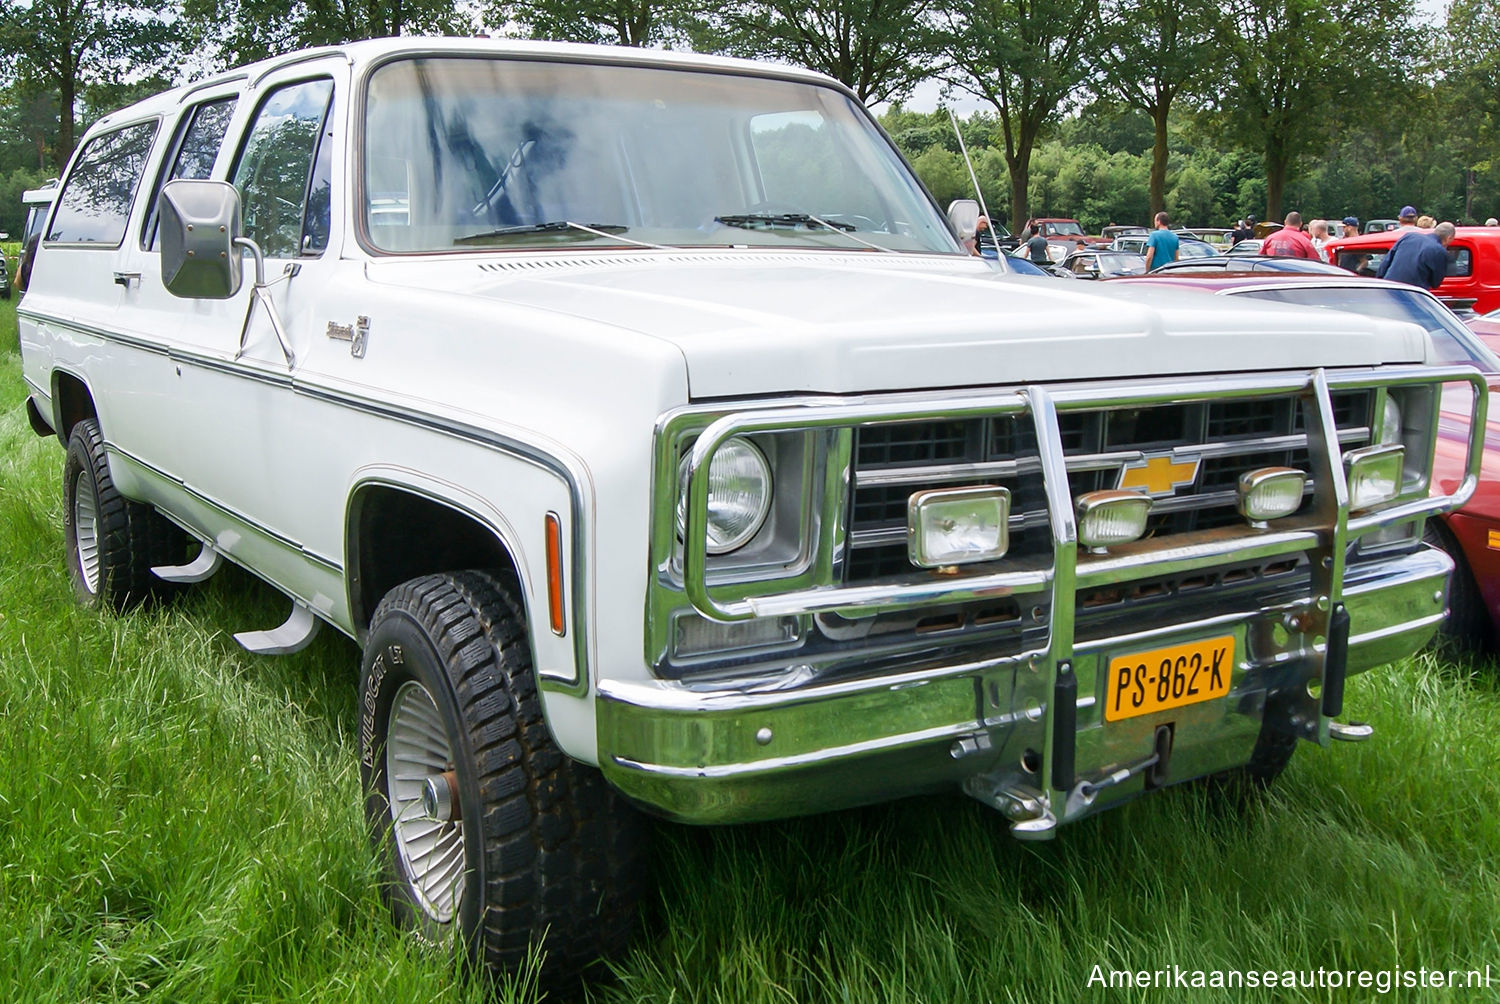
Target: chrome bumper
{"x": 721, "y": 756}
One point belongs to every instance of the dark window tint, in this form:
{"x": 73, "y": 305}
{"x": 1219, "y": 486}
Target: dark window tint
{"x": 95, "y": 201}
{"x": 1460, "y": 262}
{"x": 198, "y": 146}
{"x": 276, "y": 165}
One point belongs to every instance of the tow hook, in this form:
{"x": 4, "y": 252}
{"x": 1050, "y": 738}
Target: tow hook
{"x": 1084, "y": 792}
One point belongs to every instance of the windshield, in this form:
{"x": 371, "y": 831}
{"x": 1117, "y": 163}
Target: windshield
{"x": 1453, "y": 342}
{"x": 462, "y": 153}
{"x": 1068, "y": 228}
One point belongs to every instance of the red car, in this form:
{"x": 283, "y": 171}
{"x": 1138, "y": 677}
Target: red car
{"x": 1471, "y": 535}
{"x": 1065, "y": 231}
{"x": 1473, "y": 262}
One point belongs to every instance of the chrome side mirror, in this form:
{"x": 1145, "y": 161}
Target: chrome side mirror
{"x": 199, "y": 225}
{"x": 964, "y": 215}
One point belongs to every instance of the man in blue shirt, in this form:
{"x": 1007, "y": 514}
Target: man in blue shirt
{"x": 1161, "y": 246}
{"x": 1419, "y": 258}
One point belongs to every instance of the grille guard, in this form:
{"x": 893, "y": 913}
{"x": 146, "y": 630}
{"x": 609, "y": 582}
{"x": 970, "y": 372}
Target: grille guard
{"x": 1328, "y": 531}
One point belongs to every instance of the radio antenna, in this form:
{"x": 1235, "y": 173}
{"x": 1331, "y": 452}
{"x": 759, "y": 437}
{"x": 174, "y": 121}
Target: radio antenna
{"x": 970, "y": 165}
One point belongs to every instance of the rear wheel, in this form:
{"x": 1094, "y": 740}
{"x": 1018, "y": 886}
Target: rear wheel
{"x": 493, "y": 839}
{"x": 112, "y": 542}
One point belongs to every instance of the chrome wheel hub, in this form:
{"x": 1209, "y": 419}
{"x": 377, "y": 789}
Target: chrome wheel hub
{"x": 419, "y": 772}
{"x": 86, "y": 530}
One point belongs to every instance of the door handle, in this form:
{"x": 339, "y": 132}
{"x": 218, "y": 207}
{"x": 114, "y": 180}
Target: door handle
{"x": 125, "y": 279}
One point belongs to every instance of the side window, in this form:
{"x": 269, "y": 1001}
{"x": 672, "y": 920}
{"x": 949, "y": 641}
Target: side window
{"x": 1460, "y": 262}
{"x": 197, "y": 146}
{"x": 275, "y": 169}
{"x": 95, "y": 202}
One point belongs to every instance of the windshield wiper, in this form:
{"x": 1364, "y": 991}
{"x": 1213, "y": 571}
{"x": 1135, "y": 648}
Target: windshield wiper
{"x": 610, "y": 231}
{"x": 772, "y": 221}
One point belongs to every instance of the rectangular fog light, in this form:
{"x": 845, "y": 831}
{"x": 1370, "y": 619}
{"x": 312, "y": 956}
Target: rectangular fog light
{"x": 1270, "y": 493}
{"x": 954, "y": 526}
{"x": 1374, "y": 474}
{"x": 698, "y": 635}
{"x": 1112, "y": 516}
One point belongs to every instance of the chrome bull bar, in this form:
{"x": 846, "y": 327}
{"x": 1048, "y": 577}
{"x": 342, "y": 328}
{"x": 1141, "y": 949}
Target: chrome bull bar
{"x": 1323, "y": 536}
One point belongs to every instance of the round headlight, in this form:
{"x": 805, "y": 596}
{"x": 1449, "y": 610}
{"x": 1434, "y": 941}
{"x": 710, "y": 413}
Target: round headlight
{"x": 1390, "y": 422}
{"x": 739, "y": 495}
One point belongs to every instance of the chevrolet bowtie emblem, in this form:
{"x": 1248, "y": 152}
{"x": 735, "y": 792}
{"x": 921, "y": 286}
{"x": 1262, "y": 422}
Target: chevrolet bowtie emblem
{"x": 1159, "y": 475}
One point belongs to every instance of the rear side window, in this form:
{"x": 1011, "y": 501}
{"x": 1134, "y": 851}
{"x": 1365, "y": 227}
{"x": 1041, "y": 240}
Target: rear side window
{"x": 1460, "y": 262}
{"x": 275, "y": 170}
{"x": 197, "y": 148}
{"x": 95, "y": 201}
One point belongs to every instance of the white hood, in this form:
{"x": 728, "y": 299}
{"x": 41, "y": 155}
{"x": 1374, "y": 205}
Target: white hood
{"x": 758, "y": 322}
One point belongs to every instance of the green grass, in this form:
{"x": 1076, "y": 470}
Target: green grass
{"x": 180, "y": 821}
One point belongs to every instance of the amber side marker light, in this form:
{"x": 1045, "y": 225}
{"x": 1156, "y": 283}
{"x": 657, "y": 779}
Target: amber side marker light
{"x": 554, "y": 573}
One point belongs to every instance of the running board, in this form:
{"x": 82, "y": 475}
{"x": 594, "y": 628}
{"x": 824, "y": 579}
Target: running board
{"x": 293, "y": 636}
{"x": 200, "y": 568}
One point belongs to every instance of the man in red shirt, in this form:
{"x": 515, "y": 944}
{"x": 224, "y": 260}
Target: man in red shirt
{"x": 1290, "y": 241}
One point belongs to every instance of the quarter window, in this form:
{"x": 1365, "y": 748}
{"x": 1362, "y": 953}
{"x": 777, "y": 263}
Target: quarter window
{"x": 95, "y": 201}
{"x": 197, "y": 150}
{"x": 275, "y": 170}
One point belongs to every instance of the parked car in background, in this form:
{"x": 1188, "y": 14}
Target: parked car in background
{"x": 1379, "y": 226}
{"x": 1218, "y": 237}
{"x": 1113, "y": 231}
{"x": 1470, "y": 535}
{"x": 1065, "y": 231}
{"x": 1104, "y": 264}
{"x": 1473, "y": 262}
{"x": 4, "y": 277}
{"x": 37, "y": 202}
{"x": 1251, "y": 245}
{"x": 1192, "y": 248}
{"x": 1244, "y": 263}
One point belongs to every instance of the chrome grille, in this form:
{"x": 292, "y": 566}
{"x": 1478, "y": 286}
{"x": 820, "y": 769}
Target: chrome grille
{"x": 892, "y": 461}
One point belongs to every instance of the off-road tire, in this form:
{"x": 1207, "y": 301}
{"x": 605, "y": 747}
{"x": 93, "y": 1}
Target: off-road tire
{"x": 1268, "y": 758}
{"x": 127, "y": 538}
{"x": 552, "y": 855}
{"x": 1467, "y": 627}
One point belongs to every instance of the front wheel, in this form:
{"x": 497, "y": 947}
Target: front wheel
{"x": 493, "y": 839}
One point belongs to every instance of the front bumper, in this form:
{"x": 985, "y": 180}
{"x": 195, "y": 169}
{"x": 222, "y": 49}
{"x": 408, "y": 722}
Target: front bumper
{"x": 723, "y": 756}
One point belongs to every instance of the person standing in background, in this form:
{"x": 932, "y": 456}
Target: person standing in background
{"x": 1290, "y": 241}
{"x": 1036, "y": 246}
{"x": 1162, "y": 245}
{"x": 1350, "y": 227}
{"x": 1317, "y": 232}
{"x": 1419, "y": 258}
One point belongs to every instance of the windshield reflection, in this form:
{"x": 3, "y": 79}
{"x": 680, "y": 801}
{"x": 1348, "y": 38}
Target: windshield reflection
{"x": 475, "y": 152}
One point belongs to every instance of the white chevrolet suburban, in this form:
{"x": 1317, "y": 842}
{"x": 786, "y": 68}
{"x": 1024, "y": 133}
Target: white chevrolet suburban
{"x": 643, "y": 419}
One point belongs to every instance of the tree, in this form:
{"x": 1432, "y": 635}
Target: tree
{"x": 880, "y": 49}
{"x": 1281, "y": 95}
{"x": 1158, "y": 49}
{"x": 611, "y": 22}
{"x": 1026, "y": 58}
{"x": 62, "y": 45}
{"x": 242, "y": 31}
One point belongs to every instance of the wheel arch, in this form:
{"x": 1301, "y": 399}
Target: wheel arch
{"x": 454, "y": 537}
{"x": 72, "y": 402}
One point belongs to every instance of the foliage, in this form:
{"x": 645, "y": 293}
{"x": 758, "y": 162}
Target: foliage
{"x": 1296, "y": 68}
{"x": 611, "y": 22}
{"x": 241, "y": 31}
{"x": 880, "y": 49}
{"x": 1027, "y": 58}
{"x": 64, "y": 45}
{"x": 1156, "y": 50}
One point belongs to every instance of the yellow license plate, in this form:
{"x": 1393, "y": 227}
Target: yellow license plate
{"x": 1170, "y": 677}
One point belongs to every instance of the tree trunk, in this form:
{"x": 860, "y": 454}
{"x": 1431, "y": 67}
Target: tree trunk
{"x": 67, "y": 91}
{"x": 1020, "y": 179}
{"x": 1159, "y": 162}
{"x": 1277, "y": 166}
